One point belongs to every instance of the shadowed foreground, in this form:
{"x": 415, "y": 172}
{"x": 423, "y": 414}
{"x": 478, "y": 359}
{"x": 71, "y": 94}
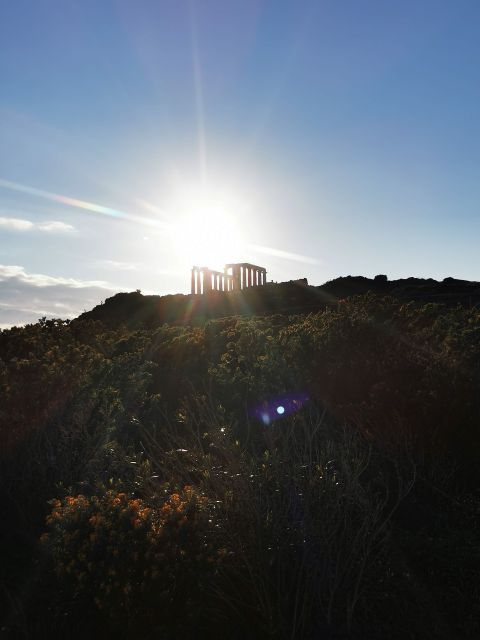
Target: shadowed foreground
{"x": 287, "y": 476}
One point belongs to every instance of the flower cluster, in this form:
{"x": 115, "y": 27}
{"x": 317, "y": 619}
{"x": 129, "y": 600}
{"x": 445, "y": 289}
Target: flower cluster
{"x": 125, "y": 552}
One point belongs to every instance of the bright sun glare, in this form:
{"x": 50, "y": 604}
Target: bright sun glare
{"x": 207, "y": 227}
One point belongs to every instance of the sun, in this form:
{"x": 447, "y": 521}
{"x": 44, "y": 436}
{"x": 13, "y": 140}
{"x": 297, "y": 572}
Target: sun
{"x": 207, "y": 229}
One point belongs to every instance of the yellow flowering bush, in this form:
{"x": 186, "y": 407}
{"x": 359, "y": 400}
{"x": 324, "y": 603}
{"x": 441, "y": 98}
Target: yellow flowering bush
{"x": 130, "y": 556}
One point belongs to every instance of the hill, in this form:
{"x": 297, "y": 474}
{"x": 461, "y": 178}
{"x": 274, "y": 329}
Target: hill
{"x": 294, "y": 297}
{"x": 294, "y": 475}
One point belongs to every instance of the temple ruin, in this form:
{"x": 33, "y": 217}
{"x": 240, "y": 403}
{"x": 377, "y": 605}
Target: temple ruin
{"x": 233, "y": 278}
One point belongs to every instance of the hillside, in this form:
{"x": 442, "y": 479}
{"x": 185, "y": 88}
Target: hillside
{"x": 137, "y": 310}
{"x": 312, "y": 475}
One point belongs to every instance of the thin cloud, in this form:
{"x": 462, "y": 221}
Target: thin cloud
{"x": 55, "y": 226}
{"x": 26, "y": 297}
{"x": 9, "y": 272}
{"x": 47, "y": 226}
{"x": 16, "y": 224}
{"x": 121, "y": 266}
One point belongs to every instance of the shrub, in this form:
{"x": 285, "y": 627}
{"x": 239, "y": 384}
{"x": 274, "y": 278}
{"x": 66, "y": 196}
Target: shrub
{"x": 126, "y": 557}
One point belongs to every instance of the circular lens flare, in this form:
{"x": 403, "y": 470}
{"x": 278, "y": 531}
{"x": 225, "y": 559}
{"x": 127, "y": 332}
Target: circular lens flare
{"x": 272, "y": 409}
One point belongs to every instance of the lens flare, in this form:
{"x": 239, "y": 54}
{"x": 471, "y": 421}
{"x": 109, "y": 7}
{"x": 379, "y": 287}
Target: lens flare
{"x": 279, "y": 407}
{"x": 83, "y": 204}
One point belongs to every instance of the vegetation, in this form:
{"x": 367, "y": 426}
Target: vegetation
{"x": 303, "y": 476}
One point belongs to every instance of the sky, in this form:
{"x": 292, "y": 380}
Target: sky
{"x": 314, "y": 138}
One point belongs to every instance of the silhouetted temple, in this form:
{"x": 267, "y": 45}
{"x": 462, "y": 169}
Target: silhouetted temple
{"x": 234, "y": 277}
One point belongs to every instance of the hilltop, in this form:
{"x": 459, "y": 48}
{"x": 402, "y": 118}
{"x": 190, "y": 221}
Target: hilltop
{"x": 293, "y": 297}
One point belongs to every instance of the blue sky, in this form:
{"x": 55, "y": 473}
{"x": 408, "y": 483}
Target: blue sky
{"x": 315, "y": 138}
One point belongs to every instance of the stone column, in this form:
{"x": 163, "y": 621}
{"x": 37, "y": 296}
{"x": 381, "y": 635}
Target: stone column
{"x": 251, "y": 276}
{"x": 207, "y": 281}
{"x": 236, "y": 279}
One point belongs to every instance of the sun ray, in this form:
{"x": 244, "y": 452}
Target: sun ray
{"x": 199, "y": 98}
{"x": 279, "y": 253}
{"x": 88, "y": 206}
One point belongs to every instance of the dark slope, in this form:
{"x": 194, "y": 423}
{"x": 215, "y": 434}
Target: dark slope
{"x": 135, "y": 309}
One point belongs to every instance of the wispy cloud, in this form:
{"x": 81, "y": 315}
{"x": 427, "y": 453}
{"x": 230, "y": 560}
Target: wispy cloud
{"x": 16, "y": 224}
{"x": 121, "y": 266}
{"x": 48, "y": 226}
{"x": 16, "y": 272}
{"x": 25, "y": 296}
{"x": 55, "y": 226}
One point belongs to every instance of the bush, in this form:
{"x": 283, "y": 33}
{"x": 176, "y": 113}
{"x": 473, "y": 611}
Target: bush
{"x": 131, "y": 559}
{"x": 355, "y": 510}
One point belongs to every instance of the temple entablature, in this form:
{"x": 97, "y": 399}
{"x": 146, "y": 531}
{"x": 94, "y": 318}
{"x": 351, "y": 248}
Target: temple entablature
{"x": 234, "y": 277}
